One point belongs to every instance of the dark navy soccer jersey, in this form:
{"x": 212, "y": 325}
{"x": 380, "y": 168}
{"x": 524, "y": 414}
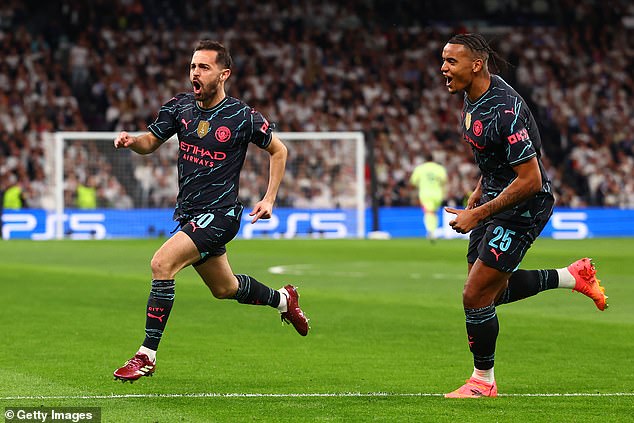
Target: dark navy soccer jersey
{"x": 212, "y": 147}
{"x": 502, "y": 133}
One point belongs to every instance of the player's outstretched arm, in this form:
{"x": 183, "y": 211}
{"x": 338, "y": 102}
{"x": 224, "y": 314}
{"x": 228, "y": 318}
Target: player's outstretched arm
{"x": 142, "y": 144}
{"x": 278, "y": 153}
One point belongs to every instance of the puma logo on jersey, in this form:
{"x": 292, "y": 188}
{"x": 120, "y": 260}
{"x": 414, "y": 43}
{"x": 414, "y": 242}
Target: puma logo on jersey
{"x": 186, "y": 123}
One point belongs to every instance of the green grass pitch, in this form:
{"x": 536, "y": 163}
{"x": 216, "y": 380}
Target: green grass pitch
{"x": 387, "y": 336}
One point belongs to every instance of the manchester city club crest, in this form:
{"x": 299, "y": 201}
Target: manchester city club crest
{"x": 203, "y": 128}
{"x": 467, "y": 121}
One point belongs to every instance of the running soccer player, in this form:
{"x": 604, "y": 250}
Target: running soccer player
{"x": 508, "y": 209}
{"x": 214, "y": 131}
{"x": 430, "y": 178}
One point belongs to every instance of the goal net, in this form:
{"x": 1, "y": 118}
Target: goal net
{"x": 322, "y": 194}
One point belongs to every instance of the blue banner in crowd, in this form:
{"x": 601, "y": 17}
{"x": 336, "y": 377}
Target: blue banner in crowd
{"x": 397, "y": 222}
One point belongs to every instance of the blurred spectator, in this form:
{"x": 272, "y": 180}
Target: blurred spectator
{"x": 14, "y": 196}
{"x": 359, "y": 65}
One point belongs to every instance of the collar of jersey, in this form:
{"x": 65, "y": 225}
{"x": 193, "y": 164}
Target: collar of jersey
{"x": 477, "y": 100}
{"x": 224, "y": 100}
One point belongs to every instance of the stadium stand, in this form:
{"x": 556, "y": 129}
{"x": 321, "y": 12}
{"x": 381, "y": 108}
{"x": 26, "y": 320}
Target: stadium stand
{"x": 320, "y": 66}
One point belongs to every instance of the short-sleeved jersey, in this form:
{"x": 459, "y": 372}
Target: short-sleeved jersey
{"x": 502, "y": 133}
{"x": 212, "y": 147}
{"x": 430, "y": 178}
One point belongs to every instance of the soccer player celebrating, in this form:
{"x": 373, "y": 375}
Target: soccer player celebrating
{"x": 214, "y": 131}
{"x": 508, "y": 209}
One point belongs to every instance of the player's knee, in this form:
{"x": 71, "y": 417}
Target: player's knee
{"x": 467, "y": 297}
{"x": 473, "y": 298}
{"x": 161, "y": 268}
{"x": 469, "y": 302}
{"x": 470, "y": 297}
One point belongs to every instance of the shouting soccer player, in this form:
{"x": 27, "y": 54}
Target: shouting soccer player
{"x": 508, "y": 209}
{"x": 214, "y": 131}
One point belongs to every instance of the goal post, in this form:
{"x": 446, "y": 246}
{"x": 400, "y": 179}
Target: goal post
{"x": 322, "y": 194}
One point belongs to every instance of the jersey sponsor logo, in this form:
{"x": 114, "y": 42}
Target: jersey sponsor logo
{"x": 510, "y": 111}
{"x": 477, "y": 128}
{"x": 200, "y": 155}
{"x": 186, "y": 123}
{"x": 264, "y": 126}
{"x": 467, "y": 121}
{"x": 520, "y": 135}
{"x": 199, "y": 161}
{"x": 203, "y": 128}
{"x": 223, "y": 134}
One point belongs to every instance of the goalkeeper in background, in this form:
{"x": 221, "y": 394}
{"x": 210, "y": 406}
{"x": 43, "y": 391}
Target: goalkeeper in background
{"x": 431, "y": 180}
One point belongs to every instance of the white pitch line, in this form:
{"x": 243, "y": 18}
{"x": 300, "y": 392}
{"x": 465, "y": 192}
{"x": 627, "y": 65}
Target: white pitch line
{"x": 298, "y": 395}
{"x": 310, "y": 269}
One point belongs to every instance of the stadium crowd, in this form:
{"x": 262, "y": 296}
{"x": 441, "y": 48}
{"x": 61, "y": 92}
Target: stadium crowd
{"x": 366, "y": 65}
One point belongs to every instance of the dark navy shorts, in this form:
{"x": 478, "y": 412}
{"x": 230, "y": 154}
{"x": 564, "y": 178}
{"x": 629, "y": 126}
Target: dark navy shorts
{"x": 212, "y": 230}
{"x": 502, "y": 241}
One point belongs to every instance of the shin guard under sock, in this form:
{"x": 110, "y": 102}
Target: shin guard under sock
{"x": 159, "y": 305}
{"x": 482, "y": 331}
{"x": 526, "y": 283}
{"x": 250, "y": 291}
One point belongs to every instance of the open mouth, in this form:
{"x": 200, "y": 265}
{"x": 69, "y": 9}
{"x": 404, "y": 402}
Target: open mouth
{"x": 197, "y": 87}
{"x": 448, "y": 80}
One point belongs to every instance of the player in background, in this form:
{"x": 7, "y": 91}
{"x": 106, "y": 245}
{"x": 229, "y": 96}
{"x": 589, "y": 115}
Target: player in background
{"x": 508, "y": 209}
{"x": 431, "y": 180}
{"x": 214, "y": 131}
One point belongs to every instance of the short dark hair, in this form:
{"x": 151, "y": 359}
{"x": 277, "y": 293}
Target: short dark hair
{"x": 223, "y": 58}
